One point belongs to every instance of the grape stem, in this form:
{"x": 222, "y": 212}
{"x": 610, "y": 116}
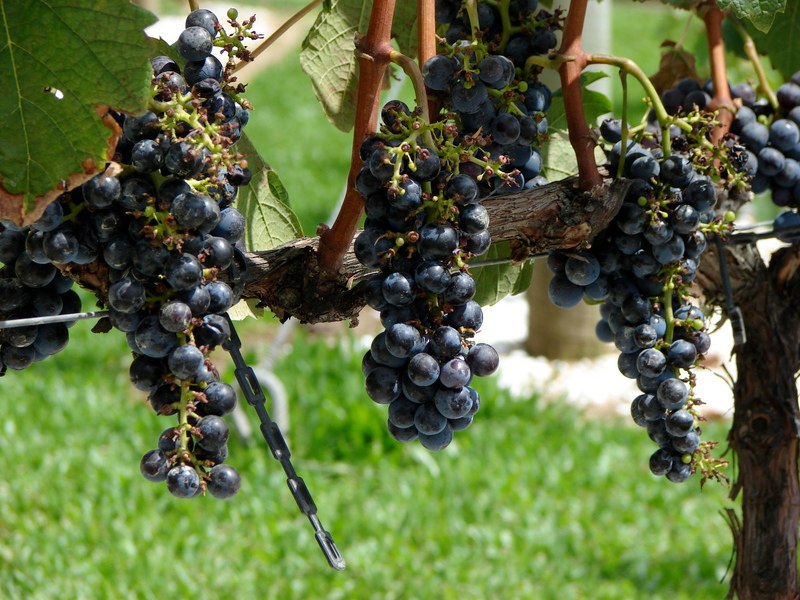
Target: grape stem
{"x": 623, "y": 77}
{"x": 505, "y": 19}
{"x": 183, "y": 419}
{"x": 426, "y": 30}
{"x": 193, "y": 5}
{"x": 411, "y": 69}
{"x": 279, "y": 32}
{"x": 426, "y": 40}
{"x": 472, "y": 13}
{"x": 630, "y": 67}
{"x": 752, "y": 55}
{"x": 666, "y": 300}
{"x": 580, "y": 137}
{"x": 722, "y": 101}
{"x": 546, "y": 62}
{"x": 373, "y": 52}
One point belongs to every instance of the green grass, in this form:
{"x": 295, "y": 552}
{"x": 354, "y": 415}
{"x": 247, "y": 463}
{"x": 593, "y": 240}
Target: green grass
{"x": 533, "y": 501}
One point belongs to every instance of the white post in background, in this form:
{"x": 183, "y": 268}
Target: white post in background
{"x": 553, "y": 332}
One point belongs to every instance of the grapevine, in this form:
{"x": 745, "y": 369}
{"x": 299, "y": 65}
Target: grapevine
{"x": 149, "y": 217}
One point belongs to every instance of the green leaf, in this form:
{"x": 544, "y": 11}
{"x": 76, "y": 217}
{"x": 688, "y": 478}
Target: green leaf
{"x": 495, "y": 282}
{"x": 595, "y": 103}
{"x": 62, "y": 64}
{"x": 328, "y": 56}
{"x": 782, "y": 42}
{"x": 265, "y": 204}
{"x": 761, "y": 13}
{"x": 559, "y": 157}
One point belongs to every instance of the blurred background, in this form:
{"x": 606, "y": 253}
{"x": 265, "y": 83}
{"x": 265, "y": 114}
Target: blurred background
{"x": 547, "y": 495}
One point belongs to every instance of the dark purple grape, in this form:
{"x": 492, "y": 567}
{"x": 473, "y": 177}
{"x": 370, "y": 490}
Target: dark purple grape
{"x": 146, "y": 373}
{"x": 213, "y": 331}
{"x": 195, "y": 43}
{"x": 220, "y": 400}
{"x": 175, "y": 316}
{"x": 154, "y": 466}
{"x": 213, "y": 433}
{"x": 152, "y": 339}
{"x": 383, "y": 385}
{"x": 483, "y": 359}
{"x": 183, "y": 481}
{"x": 184, "y": 361}
{"x": 223, "y": 481}
{"x": 437, "y": 441}
{"x": 126, "y": 295}
{"x": 423, "y": 369}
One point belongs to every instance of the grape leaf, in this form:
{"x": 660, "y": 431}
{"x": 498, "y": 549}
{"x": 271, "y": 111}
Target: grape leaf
{"x": 782, "y": 42}
{"x": 495, "y": 282}
{"x": 63, "y": 63}
{"x": 594, "y": 103}
{"x": 264, "y": 204}
{"x": 559, "y": 157}
{"x": 761, "y": 13}
{"x": 328, "y": 56}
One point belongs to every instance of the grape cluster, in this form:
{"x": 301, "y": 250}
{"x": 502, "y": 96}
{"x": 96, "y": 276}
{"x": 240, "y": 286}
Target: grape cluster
{"x": 159, "y": 229}
{"x": 176, "y": 235}
{"x": 640, "y": 270}
{"x": 423, "y": 222}
{"x": 495, "y": 95}
{"x": 31, "y": 286}
{"x": 771, "y": 138}
{"x": 422, "y": 184}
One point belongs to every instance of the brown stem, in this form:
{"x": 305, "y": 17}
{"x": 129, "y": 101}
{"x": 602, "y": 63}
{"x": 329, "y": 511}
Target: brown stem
{"x": 193, "y": 5}
{"x": 374, "y": 50}
{"x": 426, "y": 30}
{"x": 279, "y": 32}
{"x": 722, "y": 100}
{"x": 579, "y": 134}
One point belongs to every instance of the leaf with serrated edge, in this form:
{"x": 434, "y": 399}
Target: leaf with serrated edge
{"x": 761, "y": 13}
{"x": 782, "y": 42}
{"x": 63, "y": 63}
{"x": 328, "y": 56}
{"x": 264, "y": 204}
{"x": 495, "y": 282}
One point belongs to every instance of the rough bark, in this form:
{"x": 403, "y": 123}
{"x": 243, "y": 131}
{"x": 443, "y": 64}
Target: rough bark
{"x": 558, "y": 215}
{"x": 764, "y": 434}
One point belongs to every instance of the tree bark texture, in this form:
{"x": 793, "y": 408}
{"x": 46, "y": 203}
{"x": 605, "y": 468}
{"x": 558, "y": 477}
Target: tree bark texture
{"x": 764, "y": 434}
{"x": 556, "y": 216}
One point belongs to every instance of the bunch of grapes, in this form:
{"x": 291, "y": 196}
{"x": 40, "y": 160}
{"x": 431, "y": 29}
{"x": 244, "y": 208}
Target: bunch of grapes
{"x": 423, "y": 222}
{"x": 640, "y": 270}
{"x": 158, "y": 229}
{"x": 491, "y": 88}
{"x": 423, "y": 183}
{"x": 31, "y": 286}
{"x": 771, "y": 137}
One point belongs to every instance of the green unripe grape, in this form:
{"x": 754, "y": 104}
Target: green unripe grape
{"x": 730, "y": 216}
{"x": 233, "y": 14}
{"x": 686, "y": 458}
